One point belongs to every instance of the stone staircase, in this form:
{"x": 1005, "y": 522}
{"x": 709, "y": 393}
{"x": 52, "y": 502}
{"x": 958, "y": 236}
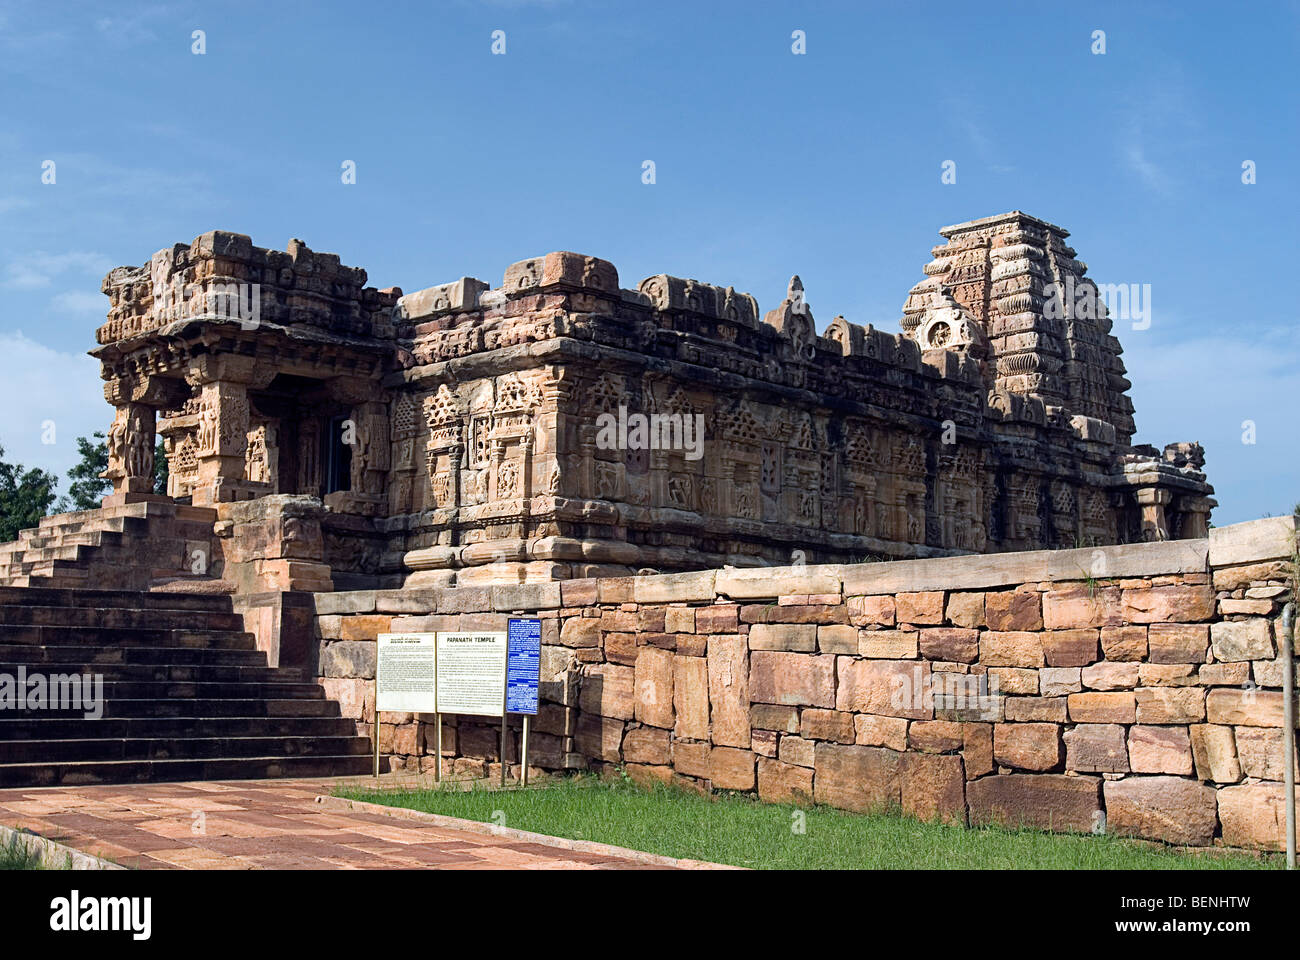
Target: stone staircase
{"x": 135, "y": 546}
{"x": 186, "y": 696}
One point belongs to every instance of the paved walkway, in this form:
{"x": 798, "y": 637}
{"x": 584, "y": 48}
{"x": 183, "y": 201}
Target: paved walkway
{"x": 278, "y": 825}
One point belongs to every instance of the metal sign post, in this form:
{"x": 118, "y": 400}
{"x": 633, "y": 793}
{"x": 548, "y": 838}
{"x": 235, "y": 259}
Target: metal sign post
{"x": 523, "y": 754}
{"x": 437, "y": 745}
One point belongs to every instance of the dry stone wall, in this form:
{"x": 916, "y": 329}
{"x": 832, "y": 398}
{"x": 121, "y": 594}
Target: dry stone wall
{"x": 1132, "y": 689}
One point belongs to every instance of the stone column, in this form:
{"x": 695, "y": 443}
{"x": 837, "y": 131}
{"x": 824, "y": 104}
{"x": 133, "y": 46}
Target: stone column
{"x": 1153, "y": 501}
{"x": 222, "y": 441}
{"x": 130, "y": 452}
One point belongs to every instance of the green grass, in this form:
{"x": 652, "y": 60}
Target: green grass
{"x": 15, "y": 856}
{"x": 738, "y": 830}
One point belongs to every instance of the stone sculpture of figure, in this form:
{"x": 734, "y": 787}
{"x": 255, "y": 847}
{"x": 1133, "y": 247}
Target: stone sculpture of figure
{"x": 207, "y": 430}
{"x": 116, "y": 449}
{"x": 139, "y": 455}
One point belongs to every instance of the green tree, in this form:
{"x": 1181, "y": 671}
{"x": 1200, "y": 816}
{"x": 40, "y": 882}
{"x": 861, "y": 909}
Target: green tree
{"x": 88, "y": 488}
{"x": 25, "y": 497}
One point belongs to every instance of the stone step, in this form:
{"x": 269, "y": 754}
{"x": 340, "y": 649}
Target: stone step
{"x": 68, "y": 656}
{"x": 194, "y": 707}
{"x": 35, "y": 660}
{"x": 111, "y": 598}
{"x": 181, "y": 748}
{"x": 44, "y": 728}
{"x": 118, "y": 618}
{"x": 145, "y": 771}
{"x": 207, "y": 690}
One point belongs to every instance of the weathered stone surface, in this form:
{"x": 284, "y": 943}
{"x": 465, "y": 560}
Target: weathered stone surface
{"x": 581, "y": 632}
{"x": 933, "y": 787}
{"x": 919, "y": 608}
{"x": 950, "y": 643}
{"x": 871, "y": 611}
{"x": 1167, "y": 674}
{"x": 1096, "y": 748}
{"x": 1014, "y": 610}
{"x": 1247, "y": 708}
{"x": 771, "y": 716}
{"x": 977, "y": 749}
{"x": 873, "y": 731}
{"x": 1114, "y": 707}
{"x": 1241, "y": 640}
{"x": 691, "y": 759}
{"x": 935, "y": 736}
{"x": 1124, "y": 643}
{"x": 348, "y": 658}
{"x": 647, "y": 745}
{"x": 1268, "y": 539}
{"x": 1027, "y": 746}
{"x": 731, "y": 769}
{"x": 861, "y": 779}
{"x": 892, "y": 688}
{"x": 1171, "y": 809}
{"x": 1254, "y": 815}
{"x": 888, "y": 644}
{"x": 1011, "y": 649}
{"x": 838, "y": 638}
{"x": 717, "y": 618}
{"x": 1178, "y": 642}
{"x": 1013, "y": 681}
{"x": 730, "y": 690}
{"x": 796, "y": 750}
{"x": 817, "y": 724}
{"x": 1110, "y": 676}
{"x": 965, "y": 609}
{"x": 599, "y": 737}
{"x": 1059, "y": 681}
{"x": 654, "y": 687}
{"x": 1044, "y": 801}
{"x": 1154, "y": 749}
{"x": 679, "y": 620}
{"x": 1070, "y": 648}
{"x": 609, "y": 691}
{"x": 780, "y": 782}
{"x": 1036, "y": 709}
{"x": 793, "y": 679}
{"x": 1261, "y": 751}
{"x": 1170, "y": 705}
{"x": 1214, "y": 752}
{"x": 1169, "y": 604}
{"x": 1073, "y": 607}
{"x": 691, "y": 697}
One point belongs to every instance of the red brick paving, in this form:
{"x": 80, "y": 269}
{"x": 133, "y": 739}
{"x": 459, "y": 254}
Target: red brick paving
{"x": 269, "y": 825}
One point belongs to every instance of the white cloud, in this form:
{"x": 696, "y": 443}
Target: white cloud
{"x": 39, "y": 269}
{"x": 39, "y": 387}
{"x": 80, "y": 302}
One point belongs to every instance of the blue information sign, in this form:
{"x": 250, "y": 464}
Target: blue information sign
{"x": 523, "y": 665}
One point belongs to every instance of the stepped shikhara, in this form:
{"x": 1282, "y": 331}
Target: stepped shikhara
{"x": 454, "y": 435}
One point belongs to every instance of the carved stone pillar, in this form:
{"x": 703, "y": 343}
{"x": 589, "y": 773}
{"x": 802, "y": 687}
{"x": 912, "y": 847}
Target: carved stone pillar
{"x": 222, "y": 441}
{"x": 1153, "y": 501}
{"x": 130, "y": 451}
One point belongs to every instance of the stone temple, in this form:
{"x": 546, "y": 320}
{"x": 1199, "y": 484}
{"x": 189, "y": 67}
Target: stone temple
{"x": 353, "y": 437}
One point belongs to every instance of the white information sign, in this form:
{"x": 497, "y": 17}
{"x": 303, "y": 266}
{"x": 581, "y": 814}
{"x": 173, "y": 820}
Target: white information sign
{"x": 472, "y": 673}
{"x": 406, "y": 673}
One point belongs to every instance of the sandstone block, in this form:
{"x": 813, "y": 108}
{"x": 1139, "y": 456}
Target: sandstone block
{"x": 1124, "y": 643}
{"x": 691, "y": 697}
{"x": 977, "y": 749}
{"x": 818, "y": 724}
{"x": 1079, "y": 606}
{"x": 731, "y": 769}
{"x": 1059, "y": 681}
{"x": 966, "y": 609}
{"x": 1014, "y": 610}
{"x": 796, "y": 750}
{"x": 1070, "y": 648}
{"x": 873, "y": 731}
{"x": 935, "y": 736}
{"x": 888, "y": 644}
{"x": 1247, "y": 708}
{"x": 1011, "y": 649}
{"x": 653, "y": 676}
{"x": 1036, "y": 709}
{"x": 793, "y": 679}
{"x": 609, "y": 691}
{"x": 1180, "y": 603}
{"x": 872, "y": 611}
{"x": 1171, "y": 809}
{"x": 679, "y": 620}
{"x": 1160, "y": 750}
{"x": 919, "y": 608}
{"x": 933, "y": 788}
{"x": 839, "y": 638}
{"x": 691, "y": 759}
{"x": 1110, "y": 676}
{"x": 1102, "y": 707}
{"x": 599, "y": 737}
{"x": 1214, "y": 752}
{"x": 956, "y": 644}
{"x": 861, "y": 779}
{"x": 646, "y": 745}
{"x": 1241, "y": 640}
{"x": 771, "y": 716}
{"x": 717, "y": 618}
{"x": 1261, "y": 751}
{"x": 1096, "y": 748}
{"x": 892, "y": 688}
{"x": 1170, "y": 705}
{"x": 580, "y": 632}
{"x": 730, "y": 689}
{"x": 1013, "y": 681}
{"x": 780, "y": 782}
{"x": 1254, "y": 815}
{"x": 1027, "y": 746}
{"x": 1045, "y": 801}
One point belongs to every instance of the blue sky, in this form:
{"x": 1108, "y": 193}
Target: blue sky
{"x": 826, "y": 164}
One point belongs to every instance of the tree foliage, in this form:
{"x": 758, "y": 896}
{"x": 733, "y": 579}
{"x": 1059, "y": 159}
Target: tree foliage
{"x": 25, "y": 497}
